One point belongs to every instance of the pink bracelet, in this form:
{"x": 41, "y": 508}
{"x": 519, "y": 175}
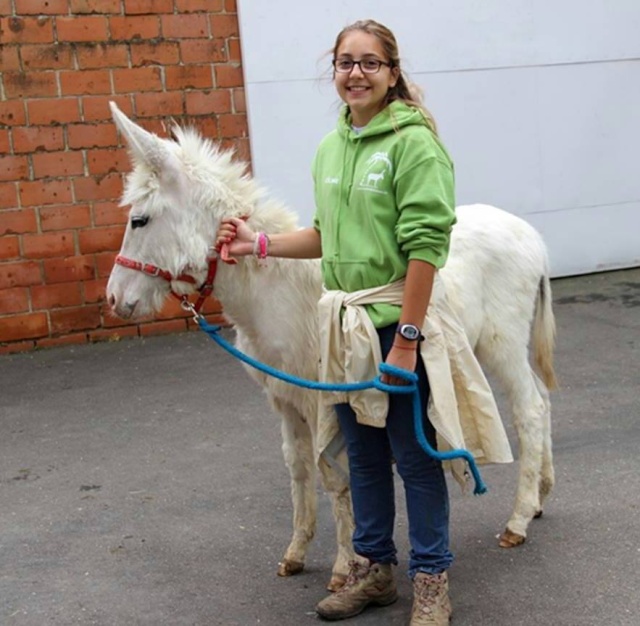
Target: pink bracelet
{"x": 263, "y": 245}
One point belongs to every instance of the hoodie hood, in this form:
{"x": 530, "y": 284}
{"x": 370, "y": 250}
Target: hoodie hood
{"x": 393, "y": 117}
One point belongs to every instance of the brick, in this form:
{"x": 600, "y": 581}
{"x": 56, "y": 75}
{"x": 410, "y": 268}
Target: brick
{"x": 207, "y": 126}
{"x": 234, "y": 125}
{"x": 192, "y": 6}
{"x": 163, "y": 328}
{"x": 13, "y": 167}
{"x": 109, "y": 213}
{"x": 56, "y": 296}
{"x": 188, "y": 77}
{"x": 17, "y": 347}
{"x": 66, "y": 340}
{"x": 64, "y": 321}
{"x": 171, "y": 309}
{"x": 18, "y": 222}
{"x": 8, "y": 195}
{"x": 104, "y": 263}
{"x": 65, "y": 217}
{"x": 106, "y": 161}
{"x": 100, "y": 239}
{"x": 92, "y": 135}
{"x": 96, "y": 108}
{"x": 95, "y": 291}
{"x": 26, "y": 30}
{"x": 230, "y": 6}
{"x": 85, "y": 82}
{"x": 48, "y": 245}
{"x": 94, "y": 6}
{"x": 71, "y": 269}
{"x": 9, "y": 247}
{"x": 57, "y": 164}
{"x": 44, "y": 7}
{"x": 137, "y": 79}
{"x": 130, "y": 28}
{"x": 5, "y": 141}
{"x": 203, "y": 51}
{"x": 158, "y": 104}
{"x": 14, "y": 300}
{"x": 19, "y": 274}
{"x": 113, "y": 334}
{"x": 10, "y": 59}
{"x": 239, "y": 101}
{"x": 98, "y": 188}
{"x": 39, "y": 192}
{"x": 37, "y": 138}
{"x": 90, "y": 55}
{"x": 85, "y": 28}
{"x": 234, "y": 50}
{"x": 5, "y": 7}
{"x": 110, "y": 321}
{"x": 12, "y": 113}
{"x": 155, "y": 53}
{"x": 224, "y": 25}
{"x": 183, "y": 26}
{"x": 22, "y": 327}
{"x": 207, "y": 102}
{"x": 229, "y": 76}
{"x": 47, "y": 57}
{"x": 132, "y": 7}
{"x": 53, "y": 111}
{"x": 30, "y": 85}
{"x": 240, "y": 148}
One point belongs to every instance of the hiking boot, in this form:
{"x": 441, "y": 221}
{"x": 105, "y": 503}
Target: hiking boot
{"x": 367, "y": 583}
{"x": 431, "y": 604}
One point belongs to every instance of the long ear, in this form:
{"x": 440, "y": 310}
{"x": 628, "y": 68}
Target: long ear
{"x": 145, "y": 147}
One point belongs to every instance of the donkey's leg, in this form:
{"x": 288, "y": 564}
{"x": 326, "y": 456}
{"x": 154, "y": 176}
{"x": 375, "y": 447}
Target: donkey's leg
{"x": 507, "y": 359}
{"x": 547, "y": 475}
{"x": 297, "y": 447}
{"x": 337, "y": 486}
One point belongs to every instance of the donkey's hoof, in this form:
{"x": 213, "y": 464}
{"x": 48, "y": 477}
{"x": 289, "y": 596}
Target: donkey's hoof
{"x": 509, "y": 539}
{"x": 289, "y": 568}
{"x": 538, "y": 514}
{"x": 337, "y": 582}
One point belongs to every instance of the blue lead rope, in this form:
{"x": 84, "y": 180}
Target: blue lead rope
{"x": 213, "y": 331}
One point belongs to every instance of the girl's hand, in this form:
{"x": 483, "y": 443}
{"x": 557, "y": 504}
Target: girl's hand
{"x": 234, "y": 238}
{"x": 403, "y": 358}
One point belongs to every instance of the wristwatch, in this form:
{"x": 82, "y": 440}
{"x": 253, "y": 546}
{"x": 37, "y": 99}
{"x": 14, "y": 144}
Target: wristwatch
{"x": 409, "y": 331}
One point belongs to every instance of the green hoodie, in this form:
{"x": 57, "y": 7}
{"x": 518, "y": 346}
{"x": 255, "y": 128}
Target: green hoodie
{"x": 383, "y": 196}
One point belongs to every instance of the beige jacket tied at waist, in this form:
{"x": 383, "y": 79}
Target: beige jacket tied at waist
{"x": 461, "y": 404}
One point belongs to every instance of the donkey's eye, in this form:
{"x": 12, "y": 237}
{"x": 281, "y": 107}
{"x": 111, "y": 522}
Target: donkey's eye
{"x": 139, "y": 221}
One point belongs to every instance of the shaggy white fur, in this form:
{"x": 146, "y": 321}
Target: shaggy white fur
{"x": 497, "y": 278}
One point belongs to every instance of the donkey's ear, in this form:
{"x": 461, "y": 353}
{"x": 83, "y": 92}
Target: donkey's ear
{"x": 145, "y": 147}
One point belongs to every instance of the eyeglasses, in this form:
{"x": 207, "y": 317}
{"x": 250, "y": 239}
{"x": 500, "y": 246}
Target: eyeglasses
{"x": 367, "y": 66}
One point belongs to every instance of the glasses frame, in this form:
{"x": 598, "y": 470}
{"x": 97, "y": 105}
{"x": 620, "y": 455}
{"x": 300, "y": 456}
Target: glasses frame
{"x": 359, "y": 64}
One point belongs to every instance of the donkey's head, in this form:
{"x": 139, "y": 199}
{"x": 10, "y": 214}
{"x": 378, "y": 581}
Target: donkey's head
{"x": 178, "y": 191}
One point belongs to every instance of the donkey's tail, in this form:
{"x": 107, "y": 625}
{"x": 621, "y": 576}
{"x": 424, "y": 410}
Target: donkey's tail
{"x": 544, "y": 333}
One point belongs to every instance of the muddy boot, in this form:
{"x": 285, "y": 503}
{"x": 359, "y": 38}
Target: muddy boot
{"x": 367, "y": 583}
{"x": 431, "y": 604}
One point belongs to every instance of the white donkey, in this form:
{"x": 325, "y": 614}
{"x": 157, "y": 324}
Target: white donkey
{"x": 496, "y": 277}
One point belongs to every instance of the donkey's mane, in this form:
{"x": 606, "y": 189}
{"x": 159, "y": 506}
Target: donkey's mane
{"x": 223, "y": 180}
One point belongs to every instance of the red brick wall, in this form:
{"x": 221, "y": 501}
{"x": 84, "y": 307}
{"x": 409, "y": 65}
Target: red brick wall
{"x": 61, "y": 161}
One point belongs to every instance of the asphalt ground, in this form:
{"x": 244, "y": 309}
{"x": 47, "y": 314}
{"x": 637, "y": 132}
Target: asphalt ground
{"x": 142, "y": 483}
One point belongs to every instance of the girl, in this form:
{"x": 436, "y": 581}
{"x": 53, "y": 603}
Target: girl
{"x": 384, "y": 191}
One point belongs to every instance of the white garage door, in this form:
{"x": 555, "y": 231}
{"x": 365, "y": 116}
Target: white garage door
{"x": 538, "y": 103}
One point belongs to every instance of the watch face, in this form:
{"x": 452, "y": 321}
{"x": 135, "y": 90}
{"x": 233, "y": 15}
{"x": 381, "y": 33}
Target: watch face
{"x": 409, "y": 331}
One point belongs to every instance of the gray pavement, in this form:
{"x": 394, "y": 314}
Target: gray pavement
{"x": 141, "y": 483}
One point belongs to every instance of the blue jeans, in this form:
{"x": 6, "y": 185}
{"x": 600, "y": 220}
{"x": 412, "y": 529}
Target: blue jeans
{"x": 370, "y": 451}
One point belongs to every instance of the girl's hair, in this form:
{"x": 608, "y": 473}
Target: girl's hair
{"x": 404, "y": 90}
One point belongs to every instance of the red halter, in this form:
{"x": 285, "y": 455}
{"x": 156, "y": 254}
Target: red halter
{"x": 204, "y": 291}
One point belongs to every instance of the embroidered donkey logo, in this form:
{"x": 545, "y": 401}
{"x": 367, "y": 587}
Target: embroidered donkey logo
{"x": 377, "y": 167}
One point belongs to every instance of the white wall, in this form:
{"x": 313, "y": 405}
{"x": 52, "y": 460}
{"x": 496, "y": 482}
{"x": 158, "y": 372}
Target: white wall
{"x": 538, "y": 103}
